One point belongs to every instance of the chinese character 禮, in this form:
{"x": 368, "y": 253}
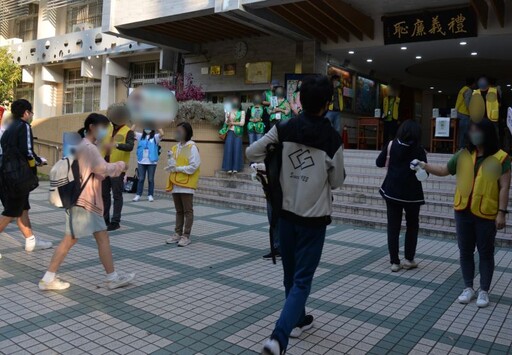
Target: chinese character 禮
{"x": 456, "y": 25}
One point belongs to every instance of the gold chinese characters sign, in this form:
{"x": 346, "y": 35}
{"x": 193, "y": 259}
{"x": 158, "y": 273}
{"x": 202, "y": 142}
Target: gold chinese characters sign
{"x": 430, "y": 26}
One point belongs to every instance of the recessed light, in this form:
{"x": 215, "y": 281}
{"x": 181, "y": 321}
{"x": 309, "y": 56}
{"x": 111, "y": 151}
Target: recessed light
{"x": 474, "y": 53}
{"x": 508, "y": 85}
{"x": 369, "y": 60}
{"x": 403, "y": 48}
{"x": 418, "y": 57}
{"x": 440, "y": 91}
{"x": 351, "y": 52}
{"x": 463, "y": 43}
{"x": 97, "y": 56}
{"x": 431, "y": 88}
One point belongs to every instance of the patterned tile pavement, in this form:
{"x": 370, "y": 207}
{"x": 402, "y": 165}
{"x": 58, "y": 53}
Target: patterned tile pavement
{"x": 218, "y": 296}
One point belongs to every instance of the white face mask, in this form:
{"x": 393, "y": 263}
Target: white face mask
{"x": 101, "y": 134}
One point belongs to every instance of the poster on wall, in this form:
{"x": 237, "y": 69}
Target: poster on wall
{"x": 215, "y": 70}
{"x": 258, "y": 73}
{"x": 347, "y": 84}
{"x": 442, "y": 127}
{"x": 291, "y": 82}
{"x": 366, "y": 96}
{"x": 230, "y": 69}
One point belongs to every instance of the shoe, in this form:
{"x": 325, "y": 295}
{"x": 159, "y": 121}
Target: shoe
{"x": 409, "y": 264}
{"x": 136, "y": 198}
{"x": 184, "y": 241}
{"x": 113, "y": 227}
{"x": 174, "y": 239}
{"x": 483, "y": 299}
{"x": 467, "y": 295}
{"x": 39, "y": 244}
{"x": 122, "y": 280}
{"x": 395, "y": 267}
{"x": 230, "y": 172}
{"x": 269, "y": 256}
{"x": 307, "y": 324}
{"x": 55, "y": 285}
{"x": 150, "y": 198}
{"x": 271, "y": 347}
{"x": 235, "y": 172}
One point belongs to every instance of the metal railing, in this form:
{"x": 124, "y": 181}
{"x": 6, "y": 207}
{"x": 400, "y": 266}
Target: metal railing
{"x": 54, "y": 150}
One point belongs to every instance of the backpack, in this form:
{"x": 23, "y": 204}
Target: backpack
{"x": 66, "y": 183}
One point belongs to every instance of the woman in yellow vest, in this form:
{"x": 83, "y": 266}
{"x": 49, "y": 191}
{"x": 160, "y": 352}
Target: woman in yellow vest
{"x": 462, "y": 107}
{"x": 184, "y": 162}
{"x": 480, "y": 203}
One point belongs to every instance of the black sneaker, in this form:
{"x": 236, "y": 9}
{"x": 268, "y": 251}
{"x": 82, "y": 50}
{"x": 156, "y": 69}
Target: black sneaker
{"x": 269, "y": 256}
{"x": 306, "y": 324}
{"x": 113, "y": 227}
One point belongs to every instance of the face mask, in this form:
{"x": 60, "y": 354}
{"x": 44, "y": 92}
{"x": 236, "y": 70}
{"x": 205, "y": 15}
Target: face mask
{"x": 102, "y": 133}
{"x": 476, "y": 138}
{"x": 178, "y": 137}
{"x": 147, "y": 131}
{"x": 483, "y": 84}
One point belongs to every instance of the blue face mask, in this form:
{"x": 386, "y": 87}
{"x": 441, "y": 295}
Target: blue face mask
{"x": 102, "y": 133}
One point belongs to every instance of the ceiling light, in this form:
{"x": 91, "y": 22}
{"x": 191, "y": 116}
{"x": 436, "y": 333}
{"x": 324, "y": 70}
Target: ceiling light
{"x": 474, "y": 53}
{"x": 369, "y": 60}
{"x": 508, "y": 85}
{"x": 351, "y": 52}
{"x": 403, "y": 48}
{"x": 463, "y": 43}
{"x": 440, "y": 91}
{"x": 89, "y": 57}
{"x": 431, "y": 88}
{"x": 97, "y": 56}
{"x": 418, "y": 57}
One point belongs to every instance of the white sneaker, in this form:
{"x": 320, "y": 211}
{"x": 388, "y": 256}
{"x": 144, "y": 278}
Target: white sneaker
{"x": 271, "y": 347}
{"x": 174, "y": 239}
{"x": 136, "y": 198}
{"x": 483, "y": 299}
{"x": 55, "y": 285}
{"x": 395, "y": 267}
{"x": 151, "y": 199}
{"x": 467, "y": 295}
{"x": 39, "y": 244}
{"x": 307, "y": 324}
{"x": 122, "y": 279}
{"x": 184, "y": 241}
{"x": 409, "y": 264}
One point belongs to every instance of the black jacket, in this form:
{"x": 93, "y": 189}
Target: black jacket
{"x": 19, "y": 134}
{"x": 400, "y": 184}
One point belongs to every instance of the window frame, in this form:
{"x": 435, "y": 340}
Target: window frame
{"x": 76, "y": 89}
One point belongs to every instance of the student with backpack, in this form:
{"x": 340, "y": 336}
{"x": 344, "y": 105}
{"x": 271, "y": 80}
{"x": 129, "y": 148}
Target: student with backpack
{"x": 311, "y": 155}
{"x": 19, "y": 173}
{"x": 148, "y": 153}
{"x": 84, "y": 209}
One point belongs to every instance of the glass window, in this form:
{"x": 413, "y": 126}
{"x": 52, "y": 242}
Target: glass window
{"x": 148, "y": 73}
{"x": 26, "y": 26}
{"x": 84, "y": 16}
{"x": 80, "y": 94}
{"x": 24, "y": 91}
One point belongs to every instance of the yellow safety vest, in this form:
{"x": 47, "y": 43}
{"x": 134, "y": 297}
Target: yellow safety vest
{"x": 338, "y": 91}
{"x": 480, "y": 192}
{"x": 492, "y": 105}
{"x": 119, "y": 138}
{"x": 182, "y": 179}
{"x": 396, "y": 105}
{"x": 460, "y": 105}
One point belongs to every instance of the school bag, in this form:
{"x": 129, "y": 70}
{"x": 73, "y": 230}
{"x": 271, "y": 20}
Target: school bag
{"x": 66, "y": 183}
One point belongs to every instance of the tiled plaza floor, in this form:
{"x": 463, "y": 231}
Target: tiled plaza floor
{"x": 218, "y": 296}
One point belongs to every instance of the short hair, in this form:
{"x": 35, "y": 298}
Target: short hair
{"x": 315, "y": 92}
{"x": 19, "y": 107}
{"x": 118, "y": 112}
{"x": 188, "y": 130}
{"x": 470, "y": 81}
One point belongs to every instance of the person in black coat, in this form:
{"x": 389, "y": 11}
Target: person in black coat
{"x": 402, "y": 191}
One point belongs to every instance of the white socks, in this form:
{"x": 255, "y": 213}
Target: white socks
{"x": 49, "y": 276}
{"x": 112, "y": 276}
{"x": 30, "y": 242}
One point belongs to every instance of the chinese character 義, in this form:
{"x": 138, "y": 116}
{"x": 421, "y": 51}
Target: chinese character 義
{"x": 419, "y": 28}
{"x": 456, "y": 25}
{"x": 400, "y": 29}
{"x": 436, "y": 26}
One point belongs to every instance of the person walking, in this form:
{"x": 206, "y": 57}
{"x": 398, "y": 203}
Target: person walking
{"x": 117, "y": 145}
{"x": 17, "y": 140}
{"x": 462, "y": 106}
{"x": 312, "y": 165}
{"x": 233, "y": 160}
{"x": 86, "y": 217}
{"x": 336, "y": 105}
{"x": 147, "y": 157}
{"x": 480, "y": 203}
{"x": 402, "y": 191}
{"x": 184, "y": 176}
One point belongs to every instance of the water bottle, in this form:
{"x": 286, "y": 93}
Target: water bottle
{"x": 421, "y": 174}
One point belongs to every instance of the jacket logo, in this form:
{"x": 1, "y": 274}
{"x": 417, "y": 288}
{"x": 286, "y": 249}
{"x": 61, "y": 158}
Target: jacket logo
{"x": 301, "y": 159}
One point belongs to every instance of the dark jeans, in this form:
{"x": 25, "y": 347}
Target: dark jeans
{"x": 254, "y": 137}
{"x": 412, "y": 218}
{"x": 233, "y": 158}
{"x": 116, "y": 185}
{"x": 184, "y": 204}
{"x": 474, "y": 231}
{"x": 464, "y": 122}
{"x": 150, "y": 170}
{"x": 390, "y": 129}
{"x": 301, "y": 250}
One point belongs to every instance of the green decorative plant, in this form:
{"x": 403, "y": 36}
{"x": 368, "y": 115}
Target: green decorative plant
{"x": 10, "y": 76}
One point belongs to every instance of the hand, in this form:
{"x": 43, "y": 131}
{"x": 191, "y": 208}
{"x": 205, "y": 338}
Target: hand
{"x": 124, "y": 166}
{"x": 417, "y": 164}
{"x": 125, "y": 179}
{"x": 44, "y": 161}
{"x": 500, "y": 221}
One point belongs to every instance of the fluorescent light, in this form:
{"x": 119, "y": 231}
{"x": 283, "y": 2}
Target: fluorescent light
{"x": 474, "y": 53}
{"x": 351, "y": 52}
{"x": 369, "y": 60}
{"x": 403, "y": 48}
{"x": 463, "y": 43}
{"x": 418, "y": 57}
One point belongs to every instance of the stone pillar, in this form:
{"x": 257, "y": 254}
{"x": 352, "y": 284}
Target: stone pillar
{"x": 47, "y": 22}
{"x": 45, "y": 95}
{"x": 108, "y": 86}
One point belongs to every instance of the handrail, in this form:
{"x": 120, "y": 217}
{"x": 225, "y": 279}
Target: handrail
{"x": 52, "y": 145}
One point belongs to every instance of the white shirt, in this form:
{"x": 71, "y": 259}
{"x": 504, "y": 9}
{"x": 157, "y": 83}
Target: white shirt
{"x": 194, "y": 162}
{"x": 145, "y": 153}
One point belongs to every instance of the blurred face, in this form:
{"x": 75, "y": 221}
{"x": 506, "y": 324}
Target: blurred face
{"x": 257, "y": 100}
{"x": 280, "y": 92}
{"x": 476, "y": 135}
{"x": 483, "y": 83}
{"x": 99, "y": 132}
{"x": 235, "y": 103}
{"x": 180, "y": 134}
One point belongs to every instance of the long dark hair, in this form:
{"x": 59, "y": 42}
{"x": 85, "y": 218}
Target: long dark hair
{"x": 188, "y": 130}
{"x": 491, "y": 142}
{"x": 409, "y": 133}
{"x": 151, "y": 134}
{"x": 93, "y": 119}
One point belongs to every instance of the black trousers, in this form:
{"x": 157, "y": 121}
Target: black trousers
{"x": 412, "y": 218}
{"x": 116, "y": 185}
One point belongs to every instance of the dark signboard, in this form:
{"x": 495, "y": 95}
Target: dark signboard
{"x": 430, "y": 25}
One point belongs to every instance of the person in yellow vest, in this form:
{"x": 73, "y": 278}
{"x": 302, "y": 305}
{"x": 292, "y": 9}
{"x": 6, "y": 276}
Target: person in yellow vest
{"x": 462, "y": 107}
{"x": 390, "y": 114}
{"x": 336, "y": 106}
{"x": 480, "y": 203}
{"x": 485, "y": 103}
{"x": 116, "y": 147}
{"x": 184, "y": 163}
